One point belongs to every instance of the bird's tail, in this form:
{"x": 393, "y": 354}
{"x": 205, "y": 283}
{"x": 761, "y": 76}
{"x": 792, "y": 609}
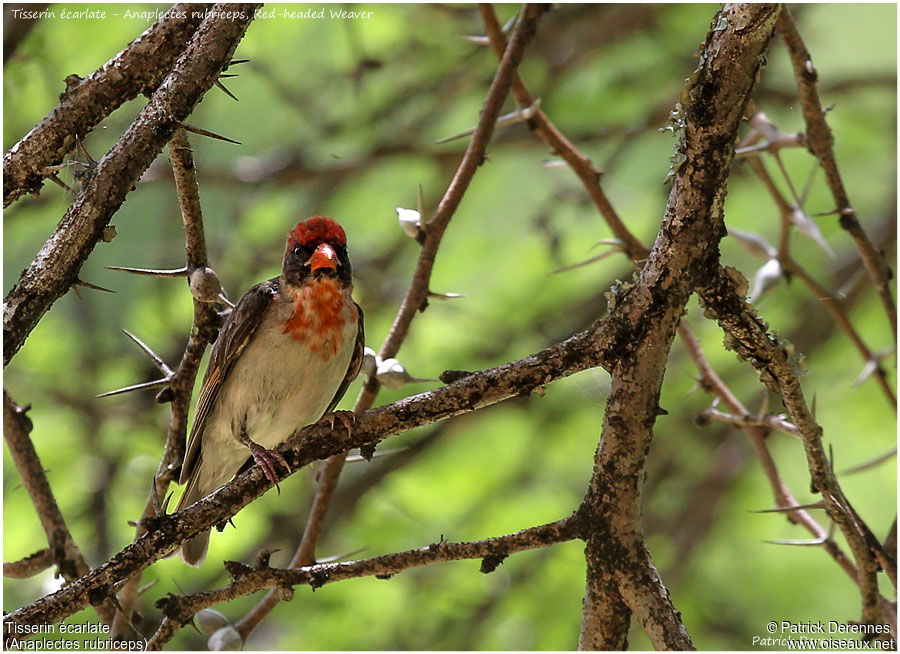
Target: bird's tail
{"x": 193, "y": 551}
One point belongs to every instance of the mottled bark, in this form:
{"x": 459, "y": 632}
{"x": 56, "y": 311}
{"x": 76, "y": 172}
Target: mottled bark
{"x": 621, "y": 573}
{"x": 139, "y": 68}
{"x": 56, "y": 266}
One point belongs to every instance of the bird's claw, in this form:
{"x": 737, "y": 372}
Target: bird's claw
{"x": 266, "y": 459}
{"x": 346, "y": 418}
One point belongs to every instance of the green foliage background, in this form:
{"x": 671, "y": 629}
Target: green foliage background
{"x": 339, "y": 117}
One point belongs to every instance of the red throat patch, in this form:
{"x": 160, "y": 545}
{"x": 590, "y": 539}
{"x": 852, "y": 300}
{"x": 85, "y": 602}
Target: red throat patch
{"x": 318, "y": 318}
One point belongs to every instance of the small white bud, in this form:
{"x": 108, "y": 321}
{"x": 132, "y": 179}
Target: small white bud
{"x": 205, "y": 285}
{"x": 765, "y": 279}
{"x": 410, "y": 221}
{"x": 226, "y": 639}
{"x": 209, "y": 621}
{"x": 392, "y": 373}
{"x": 369, "y": 362}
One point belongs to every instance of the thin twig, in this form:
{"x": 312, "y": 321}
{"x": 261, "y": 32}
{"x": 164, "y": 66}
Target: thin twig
{"x": 67, "y": 556}
{"x": 790, "y": 266}
{"x": 179, "y": 610}
{"x": 745, "y": 420}
{"x": 836, "y": 309}
{"x": 872, "y": 463}
{"x": 820, "y": 144}
{"x": 30, "y": 565}
{"x": 180, "y": 382}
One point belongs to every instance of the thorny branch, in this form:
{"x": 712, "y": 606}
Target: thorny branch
{"x": 139, "y": 68}
{"x": 773, "y": 362}
{"x": 206, "y": 289}
{"x": 472, "y": 159}
{"x": 820, "y": 140}
{"x": 179, "y": 610}
{"x": 56, "y": 266}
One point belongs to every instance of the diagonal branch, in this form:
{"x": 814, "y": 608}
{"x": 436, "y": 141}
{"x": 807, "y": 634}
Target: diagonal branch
{"x": 579, "y": 163}
{"x": 179, "y": 610}
{"x": 821, "y": 145}
{"x": 472, "y": 159}
{"x": 139, "y": 68}
{"x": 62, "y": 548}
{"x": 56, "y": 266}
{"x": 773, "y": 361}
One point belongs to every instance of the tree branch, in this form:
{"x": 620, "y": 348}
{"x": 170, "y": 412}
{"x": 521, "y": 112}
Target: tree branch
{"x": 686, "y": 249}
{"x": 62, "y": 547}
{"x": 180, "y": 609}
{"x": 820, "y": 144}
{"x": 56, "y": 266}
{"x": 30, "y": 565}
{"x": 139, "y": 68}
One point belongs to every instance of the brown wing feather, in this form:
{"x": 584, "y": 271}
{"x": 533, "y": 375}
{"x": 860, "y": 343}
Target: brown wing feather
{"x": 245, "y": 318}
{"x": 355, "y": 361}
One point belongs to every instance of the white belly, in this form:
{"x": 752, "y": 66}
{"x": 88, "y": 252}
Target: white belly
{"x": 276, "y": 387}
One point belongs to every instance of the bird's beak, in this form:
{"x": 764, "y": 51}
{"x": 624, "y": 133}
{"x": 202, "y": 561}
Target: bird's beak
{"x": 323, "y": 257}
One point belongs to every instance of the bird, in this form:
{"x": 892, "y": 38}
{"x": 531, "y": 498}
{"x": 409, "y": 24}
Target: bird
{"x": 282, "y": 360}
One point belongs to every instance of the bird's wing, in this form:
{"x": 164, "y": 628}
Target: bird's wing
{"x": 244, "y": 320}
{"x": 355, "y": 361}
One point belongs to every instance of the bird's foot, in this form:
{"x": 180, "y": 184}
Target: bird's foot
{"x": 266, "y": 459}
{"x": 346, "y": 418}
